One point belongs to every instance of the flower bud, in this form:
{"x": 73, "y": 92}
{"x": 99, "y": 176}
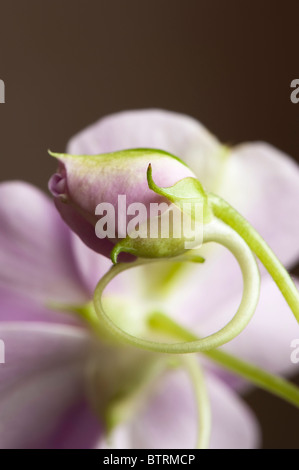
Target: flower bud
{"x": 91, "y": 190}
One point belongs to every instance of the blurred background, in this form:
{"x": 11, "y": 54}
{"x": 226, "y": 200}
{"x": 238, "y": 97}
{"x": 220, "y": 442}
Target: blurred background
{"x": 65, "y": 63}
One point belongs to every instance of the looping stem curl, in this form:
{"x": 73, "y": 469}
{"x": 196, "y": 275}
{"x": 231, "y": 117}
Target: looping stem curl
{"x": 215, "y": 231}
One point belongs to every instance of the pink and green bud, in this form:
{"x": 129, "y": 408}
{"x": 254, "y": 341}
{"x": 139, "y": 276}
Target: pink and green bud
{"x": 85, "y": 188}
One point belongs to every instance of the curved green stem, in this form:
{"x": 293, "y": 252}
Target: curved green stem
{"x": 268, "y": 382}
{"x": 202, "y": 399}
{"x": 231, "y": 217}
{"x": 215, "y": 231}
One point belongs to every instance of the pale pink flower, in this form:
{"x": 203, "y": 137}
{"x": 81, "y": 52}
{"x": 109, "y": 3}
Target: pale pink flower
{"x": 47, "y": 397}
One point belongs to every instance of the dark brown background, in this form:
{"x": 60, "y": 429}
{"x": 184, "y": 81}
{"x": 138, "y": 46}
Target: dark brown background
{"x": 228, "y": 63}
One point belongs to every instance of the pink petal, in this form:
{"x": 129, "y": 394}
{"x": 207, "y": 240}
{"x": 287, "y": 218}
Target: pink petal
{"x": 36, "y": 258}
{"x": 206, "y": 300}
{"x": 262, "y": 183}
{"x": 80, "y": 429}
{"x": 204, "y": 290}
{"x": 92, "y": 265}
{"x": 168, "y": 419}
{"x": 18, "y": 307}
{"x": 176, "y": 133}
{"x": 197, "y": 293}
{"x": 266, "y": 341}
{"x": 41, "y": 381}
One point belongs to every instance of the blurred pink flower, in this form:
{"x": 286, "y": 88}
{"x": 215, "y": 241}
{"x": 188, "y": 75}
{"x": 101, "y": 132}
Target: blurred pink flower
{"x": 45, "y": 387}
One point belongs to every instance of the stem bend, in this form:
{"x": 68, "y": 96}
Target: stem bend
{"x": 215, "y": 231}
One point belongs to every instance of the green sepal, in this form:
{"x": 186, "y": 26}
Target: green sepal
{"x": 187, "y": 190}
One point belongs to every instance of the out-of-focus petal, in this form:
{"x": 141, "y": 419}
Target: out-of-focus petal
{"x": 176, "y": 133}
{"x": 168, "y": 419}
{"x": 92, "y": 265}
{"x": 36, "y": 256}
{"x": 204, "y": 290}
{"x": 41, "y": 380}
{"x": 267, "y": 339}
{"x": 80, "y": 429}
{"x": 265, "y": 342}
{"x": 262, "y": 183}
{"x": 206, "y": 300}
{"x": 16, "y": 307}
{"x": 190, "y": 293}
